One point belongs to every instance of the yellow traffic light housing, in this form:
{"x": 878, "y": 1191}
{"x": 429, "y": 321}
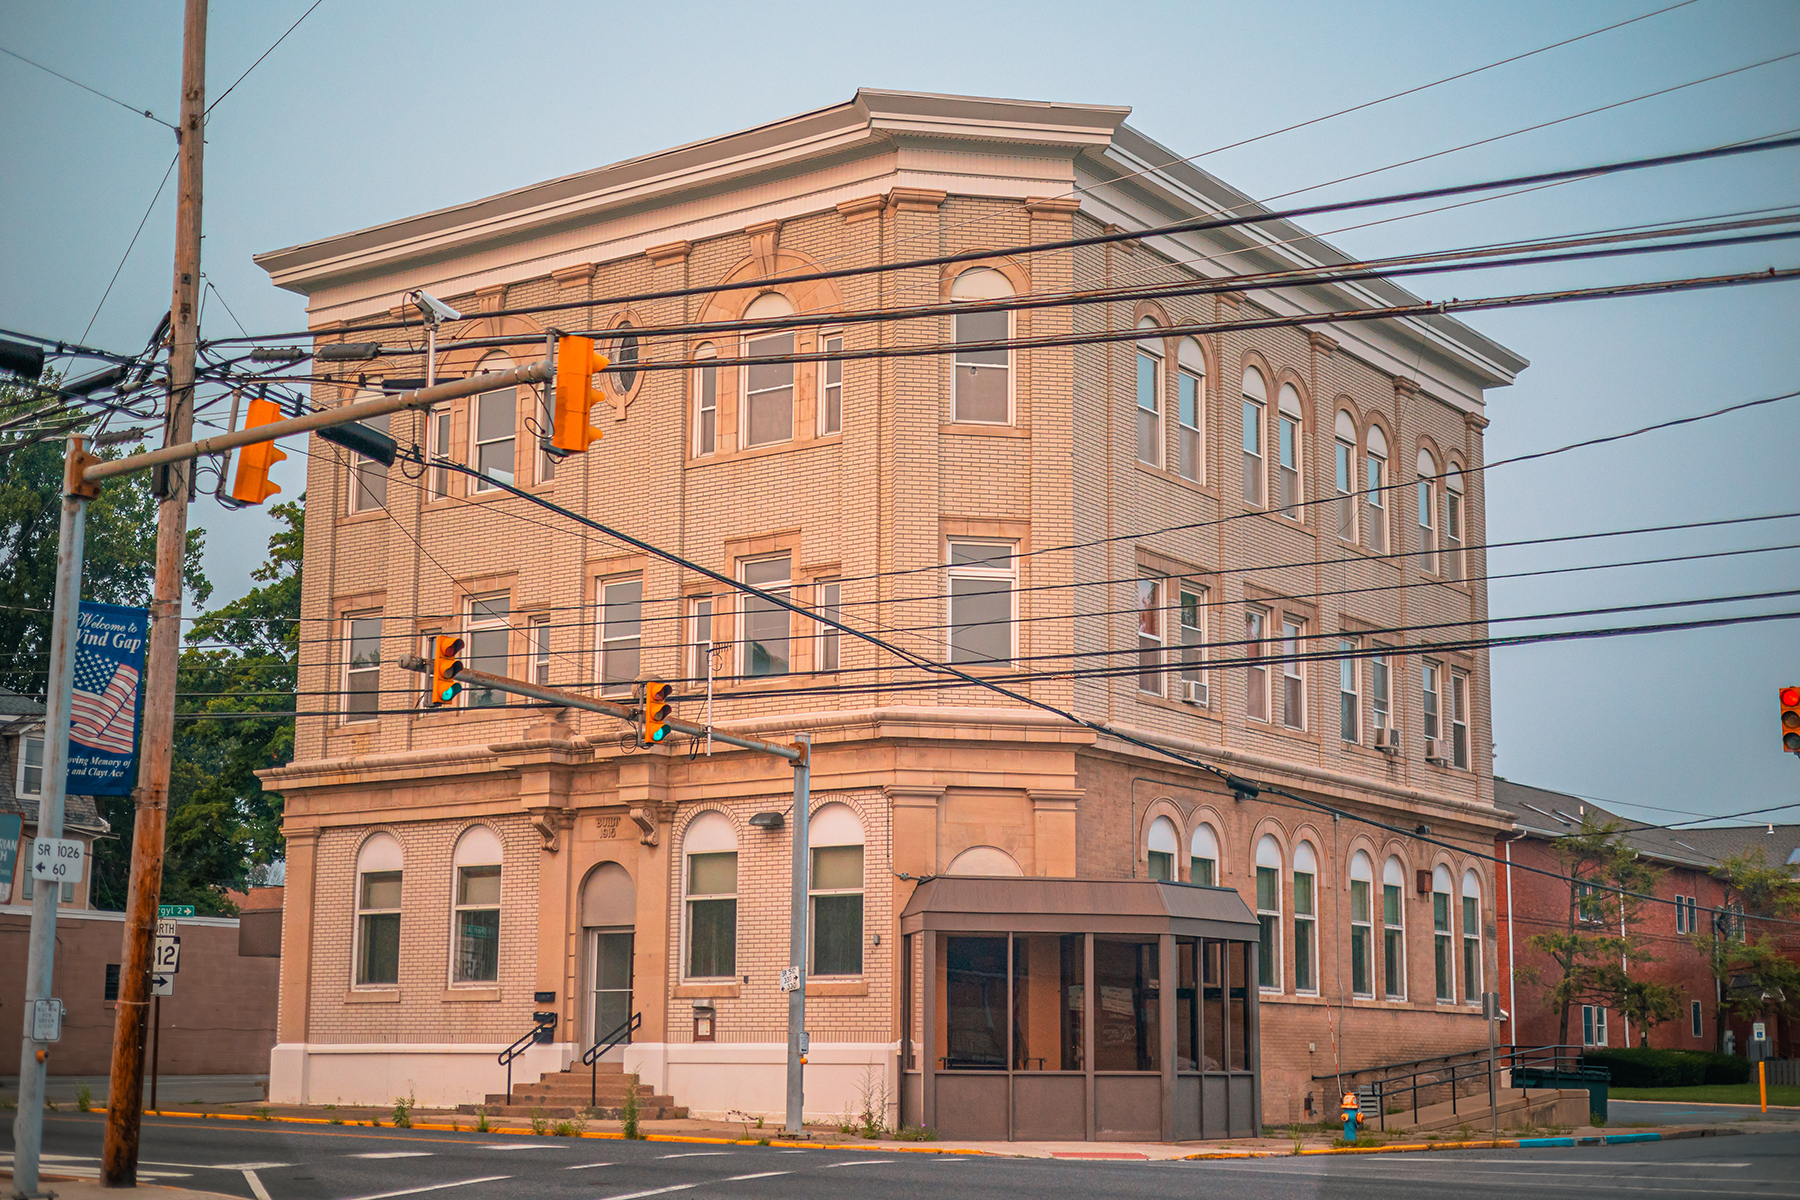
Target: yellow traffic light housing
{"x": 1790, "y": 719}
{"x": 252, "y": 486}
{"x": 445, "y": 665}
{"x": 657, "y": 711}
{"x": 577, "y": 362}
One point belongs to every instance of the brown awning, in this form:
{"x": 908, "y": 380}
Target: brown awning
{"x": 999, "y": 904}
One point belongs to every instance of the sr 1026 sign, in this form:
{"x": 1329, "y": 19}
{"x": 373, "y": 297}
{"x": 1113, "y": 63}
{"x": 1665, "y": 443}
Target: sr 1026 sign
{"x": 56, "y": 860}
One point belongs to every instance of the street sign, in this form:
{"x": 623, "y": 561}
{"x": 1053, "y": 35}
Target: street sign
{"x": 167, "y": 929}
{"x": 174, "y": 910}
{"x": 1759, "y": 1032}
{"x": 46, "y": 1020}
{"x": 162, "y": 985}
{"x": 790, "y": 979}
{"x": 168, "y": 956}
{"x": 56, "y": 860}
{"x": 805, "y": 1042}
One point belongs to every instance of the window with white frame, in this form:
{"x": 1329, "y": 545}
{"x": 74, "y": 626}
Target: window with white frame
{"x": 1203, "y": 856}
{"x": 981, "y": 602}
{"x": 488, "y": 645}
{"x": 1471, "y": 937}
{"x": 1345, "y": 464}
{"x": 621, "y": 633}
{"x": 1293, "y": 673}
{"x": 1150, "y": 622}
{"x": 1453, "y": 523}
{"x": 1306, "y": 919}
{"x": 362, "y": 665}
{"x": 1696, "y": 1019}
{"x": 981, "y": 373}
{"x": 709, "y": 907}
{"x": 1393, "y": 929}
{"x": 1380, "y": 693}
{"x": 1443, "y": 952}
{"x": 706, "y": 401}
{"x": 378, "y": 870}
{"x": 1459, "y": 720}
{"x": 1362, "y": 927}
{"x": 700, "y": 637}
{"x": 768, "y": 388}
{"x": 766, "y": 627}
{"x": 1431, "y": 687}
{"x": 1256, "y": 401}
{"x": 1268, "y": 913}
{"x": 1427, "y": 504}
{"x": 831, "y": 602}
{"x": 1593, "y": 1025}
{"x": 475, "y": 948}
{"x": 537, "y": 635}
{"x": 1349, "y": 702}
{"x": 1290, "y": 425}
{"x": 1190, "y": 410}
{"x": 835, "y": 891}
{"x": 831, "y": 385}
{"x": 368, "y": 478}
{"x": 437, "y": 432}
{"x": 1256, "y": 672}
{"x": 1149, "y": 396}
{"x": 31, "y": 764}
{"x": 1375, "y": 503}
{"x": 494, "y": 428}
{"x": 1192, "y": 616}
{"x": 1160, "y": 845}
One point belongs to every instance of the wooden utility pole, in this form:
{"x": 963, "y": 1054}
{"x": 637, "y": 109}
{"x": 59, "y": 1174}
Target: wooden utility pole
{"x": 125, "y": 1098}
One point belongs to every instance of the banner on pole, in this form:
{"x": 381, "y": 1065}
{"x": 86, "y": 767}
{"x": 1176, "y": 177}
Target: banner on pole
{"x": 106, "y": 699}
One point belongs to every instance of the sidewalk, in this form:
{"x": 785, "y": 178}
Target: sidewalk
{"x": 186, "y": 1090}
{"x": 70, "y": 1188}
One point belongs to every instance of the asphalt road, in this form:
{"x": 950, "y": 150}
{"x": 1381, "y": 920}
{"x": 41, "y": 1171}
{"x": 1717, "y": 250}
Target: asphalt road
{"x": 294, "y": 1162}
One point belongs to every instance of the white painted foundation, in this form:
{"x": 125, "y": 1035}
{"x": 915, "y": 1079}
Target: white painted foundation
{"x": 731, "y": 1079}
{"x": 435, "y": 1074}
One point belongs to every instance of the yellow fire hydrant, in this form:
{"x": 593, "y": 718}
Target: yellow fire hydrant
{"x": 1352, "y": 1115}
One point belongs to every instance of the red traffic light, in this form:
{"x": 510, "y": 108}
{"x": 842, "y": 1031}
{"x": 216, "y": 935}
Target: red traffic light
{"x": 1790, "y": 697}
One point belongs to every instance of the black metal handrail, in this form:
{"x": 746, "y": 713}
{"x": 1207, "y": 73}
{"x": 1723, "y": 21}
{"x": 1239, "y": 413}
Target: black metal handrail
{"x": 1476, "y": 1064}
{"x": 543, "y": 1031}
{"x": 591, "y": 1059}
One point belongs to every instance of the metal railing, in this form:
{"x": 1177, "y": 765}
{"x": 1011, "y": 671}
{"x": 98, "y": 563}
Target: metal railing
{"x": 543, "y": 1032}
{"x": 591, "y": 1059}
{"x": 1405, "y": 1079}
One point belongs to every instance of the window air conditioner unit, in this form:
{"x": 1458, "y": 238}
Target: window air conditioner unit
{"x": 1388, "y": 740}
{"x": 1435, "y": 751}
{"x": 1195, "y": 691}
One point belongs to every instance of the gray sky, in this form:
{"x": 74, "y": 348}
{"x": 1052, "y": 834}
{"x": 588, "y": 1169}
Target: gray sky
{"x": 372, "y": 111}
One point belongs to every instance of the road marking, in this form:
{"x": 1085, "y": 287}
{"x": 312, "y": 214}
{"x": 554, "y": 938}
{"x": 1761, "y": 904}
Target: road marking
{"x": 240, "y": 1166}
{"x": 396, "y": 1154}
{"x": 696, "y": 1154}
{"x": 434, "y": 1187}
{"x": 677, "y": 1187}
{"x": 524, "y": 1146}
{"x": 1559, "y": 1162}
{"x": 861, "y": 1162}
{"x": 586, "y": 1166}
{"x": 256, "y": 1185}
{"x": 758, "y": 1175}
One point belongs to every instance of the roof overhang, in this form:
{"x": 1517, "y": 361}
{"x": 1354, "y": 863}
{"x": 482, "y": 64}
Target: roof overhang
{"x": 1000, "y": 904}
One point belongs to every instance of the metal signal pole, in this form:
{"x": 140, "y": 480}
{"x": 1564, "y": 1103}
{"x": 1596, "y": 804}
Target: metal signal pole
{"x": 125, "y": 1097}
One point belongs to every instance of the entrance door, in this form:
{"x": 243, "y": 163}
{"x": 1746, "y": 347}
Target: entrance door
{"x": 610, "y": 952}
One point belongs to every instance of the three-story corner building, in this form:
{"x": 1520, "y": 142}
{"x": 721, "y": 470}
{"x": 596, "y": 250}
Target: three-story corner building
{"x": 1206, "y": 537}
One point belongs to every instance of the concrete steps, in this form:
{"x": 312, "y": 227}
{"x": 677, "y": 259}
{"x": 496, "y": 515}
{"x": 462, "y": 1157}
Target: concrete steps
{"x": 565, "y": 1094}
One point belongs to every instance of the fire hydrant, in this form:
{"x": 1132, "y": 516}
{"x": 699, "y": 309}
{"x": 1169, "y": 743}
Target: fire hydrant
{"x": 1352, "y": 1115}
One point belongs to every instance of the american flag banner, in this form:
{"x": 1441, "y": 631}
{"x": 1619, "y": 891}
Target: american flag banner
{"x": 104, "y": 699}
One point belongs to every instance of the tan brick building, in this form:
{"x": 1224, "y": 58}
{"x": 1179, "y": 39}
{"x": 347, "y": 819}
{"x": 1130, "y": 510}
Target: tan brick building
{"x": 1092, "y": 524}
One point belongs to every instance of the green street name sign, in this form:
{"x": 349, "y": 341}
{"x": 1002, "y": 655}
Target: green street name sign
{"x": 174, "y": 910}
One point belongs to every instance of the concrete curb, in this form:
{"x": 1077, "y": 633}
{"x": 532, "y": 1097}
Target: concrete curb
{"x": 1604, "y": 1139}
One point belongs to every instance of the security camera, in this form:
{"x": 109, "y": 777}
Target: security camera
{"x": 435, "y": 310}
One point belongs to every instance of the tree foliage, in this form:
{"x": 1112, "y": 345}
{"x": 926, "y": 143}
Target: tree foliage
{"x": 1753, "y": 970}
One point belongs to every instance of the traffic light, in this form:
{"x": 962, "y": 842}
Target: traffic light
{"x": 576, "y": 364}
{"x": 445, "y": 666}
{"x": 1790, "y": 719}
{"x": 657, "y": 710}
{"x": 252, "y": 484}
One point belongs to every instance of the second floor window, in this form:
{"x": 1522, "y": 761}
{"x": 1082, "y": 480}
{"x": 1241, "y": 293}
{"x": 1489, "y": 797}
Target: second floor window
{"x": 1375, "y": 502}
{"x": 831, "y": 386}
{"x": 1293, "y": 674}
{"x": 496, "y": 423}
{"x": 981, "y": 374}
{"x": 621, "y": 633}
{"x": 489, "y": 646}
{"x": 1291, "y": 424}
{"x": 1193, "y": 633}
{"x": 437, "y": 431}
{"x": 1150, "y": 635}
{"x": 1349, "y": 703}
{"x": 31, "y": 765}
{"x": 1256, "y": 399}
{"x": 768, "y": 401}
{"x": 1453, "y": 524}
{"x": 1427, "y": 505}
{"x": 1149, "y": 397}
{"x": 538, "y": 634}
{"x": 362, "y": 666}
{"x": 368, "y": 478}
{"x": 1345, "y": 463}
{"x": 706, "y": 403}
{"x": 1190, "y": 400}
{"x": 981, "y": 602}
{"x": 1378, "y": 694}
{"x": 766, "y": 624}
{"x": 1431, "y": 688}
{"x": 1459, "y": 720}
{"x": 831, "y": 594}
{"x": 700, "y": 637}
{"x": 1256, "y": 673}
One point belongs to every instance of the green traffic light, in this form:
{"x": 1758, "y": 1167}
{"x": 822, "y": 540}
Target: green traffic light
{"x": 661, "y": 733}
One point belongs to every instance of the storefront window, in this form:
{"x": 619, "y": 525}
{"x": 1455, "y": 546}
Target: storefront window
{"x": 1127, "y": 1031}
{"x": 975, "y": 1003}
{"x": 1047, "y": 1002}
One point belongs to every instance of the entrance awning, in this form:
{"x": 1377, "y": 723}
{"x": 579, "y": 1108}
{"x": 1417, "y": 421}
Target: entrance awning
{"x": 982, "y": 903}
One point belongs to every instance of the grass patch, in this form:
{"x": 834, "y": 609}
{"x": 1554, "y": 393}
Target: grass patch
{"x": 1713, "y": 1093}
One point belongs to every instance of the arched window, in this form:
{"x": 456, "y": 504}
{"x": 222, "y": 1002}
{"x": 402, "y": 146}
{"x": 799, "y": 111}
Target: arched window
{"x": 706, "y": 401}
{"x": 1471, "y": 937}
{"x": 1428, "y": 539}
{"x": 1256, "y": 400}
{"x": 1346, "y": 476}
{"x": 1453, "y": 523}
{"x": 1203, "y": 863}
{"x": 1393, "y": 929}
{"x": 1362, "y": 928}
{"x": 983, "y": 860}
{"x": 835, "y": 840}
{"x": 1291, "y": 425}
{"x": 624, "y": 355}
{"x": 1161, "y": 849}
{"x": 1268, "y": 912}
{"x": 475, "y": 953}
{"x": 981, "y": 376}
{"x": 1149, "y": 396}
{"x": 493, "y": 426}
{"x": 1376, "y": 479}
{"x": 709, "y": 850}
{"x": 378, "y": 865}
{"x": 1443, "y": 943}
{"x": 1306, "y": 919}
{"x": 768, "y": 388}
{"x": 1190, "y": 401}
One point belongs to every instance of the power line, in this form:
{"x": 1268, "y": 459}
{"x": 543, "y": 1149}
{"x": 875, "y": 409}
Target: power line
{"x": 259, "y": 59}
{"x": 133, "y": 109}
{"x": 133, "y": 244}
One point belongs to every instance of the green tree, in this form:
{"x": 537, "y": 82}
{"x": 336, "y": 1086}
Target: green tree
{"x": 1753, "y": 974}
{"x": 1644, "y": 1001}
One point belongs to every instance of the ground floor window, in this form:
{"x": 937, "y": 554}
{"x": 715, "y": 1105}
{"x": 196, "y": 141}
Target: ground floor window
{"x": 1593, "y": 1025}
{"x": 1697, "y": 1018}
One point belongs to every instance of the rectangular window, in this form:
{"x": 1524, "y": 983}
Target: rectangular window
{"x": 700, "y": 637}
{"x": 1378, "y": 693}
{"x": 1593, "y": 1025}
{"x": 31, "y": 765}
{"x": 1459, "y": 720}
{"x": 477, "y": 957}
{"x": 29, "y": 890}
{"x": 830, "y": 638}
{"x": 1161, "y": 866}
{"x": 1349, "y": 703}
{"x": 111, "y": 994}
{"x": 1256, "y": 674}
{"x": 496, "y": 424}
{"x": 1427, "y": 528}
{"x": 1430, "y": 687}
{"x": 1268, "y": 916}
{"x": 1193, "y": 634}
{"x": 712, "y": 916}
{"x": 368, "y": 478}
{"x": 1188, "y": 424}
{"x": 1253, "y": 452}
{"x": 1453, "y": 530}
{"x": 1696, "y": 1020}
{"x": 538, "y": 634}
{"x": 1293, "y": 675}
{"x": 981, "y": 390}
{"x": 1305, "y": 943}
{"x": 1203, "y": 871}
{"x": 1150, "y": 635}
{"x": 546, "y": 424}
{"x": 621, "y": 634}
{"x": 1377, "y": 503}
{"x": 706, "y": 406}
{"x": 438, "y": 431}
{"x": 1471, "y": 942}
{"x": 1346, "y": 487}
{"x": 1693, "y": 914}
{"x": 362, "y": 666}
{"x": 981, "y": 602}
{"x": 831, "y": 385}
{"x": 1393, "y": 942}
{"x": 768, "y": 392}
{"x": 767, "y": 626}
{"x": 378, "y": 929}
{"x": 1362, "y": 933}
{"x": 1441, "y": 953}
{"x": 1681, "y": 914}
{"x": 488, "y": 647}
{"x": 1288, "y": 448}
{"x": 1149, "y": 416}
{"x": 837, "y": 910}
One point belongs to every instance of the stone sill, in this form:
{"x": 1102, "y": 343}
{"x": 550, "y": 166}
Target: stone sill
{"x": 372, "y": 996}
{"x": 706, "y": 991}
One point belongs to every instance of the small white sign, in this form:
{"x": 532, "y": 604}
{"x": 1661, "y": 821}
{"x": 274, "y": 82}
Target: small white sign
{"x": 46, "y": 1020}
{"x": 162, "y": 985}
{"x": 805, "y": 1042}
{"x": 1759, "y": 1032}
{"x": 790, "y": 979}
{"x": 168, "y": 956}
{"x": 56, "y": 860}
{"x": 167, "y": 929}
